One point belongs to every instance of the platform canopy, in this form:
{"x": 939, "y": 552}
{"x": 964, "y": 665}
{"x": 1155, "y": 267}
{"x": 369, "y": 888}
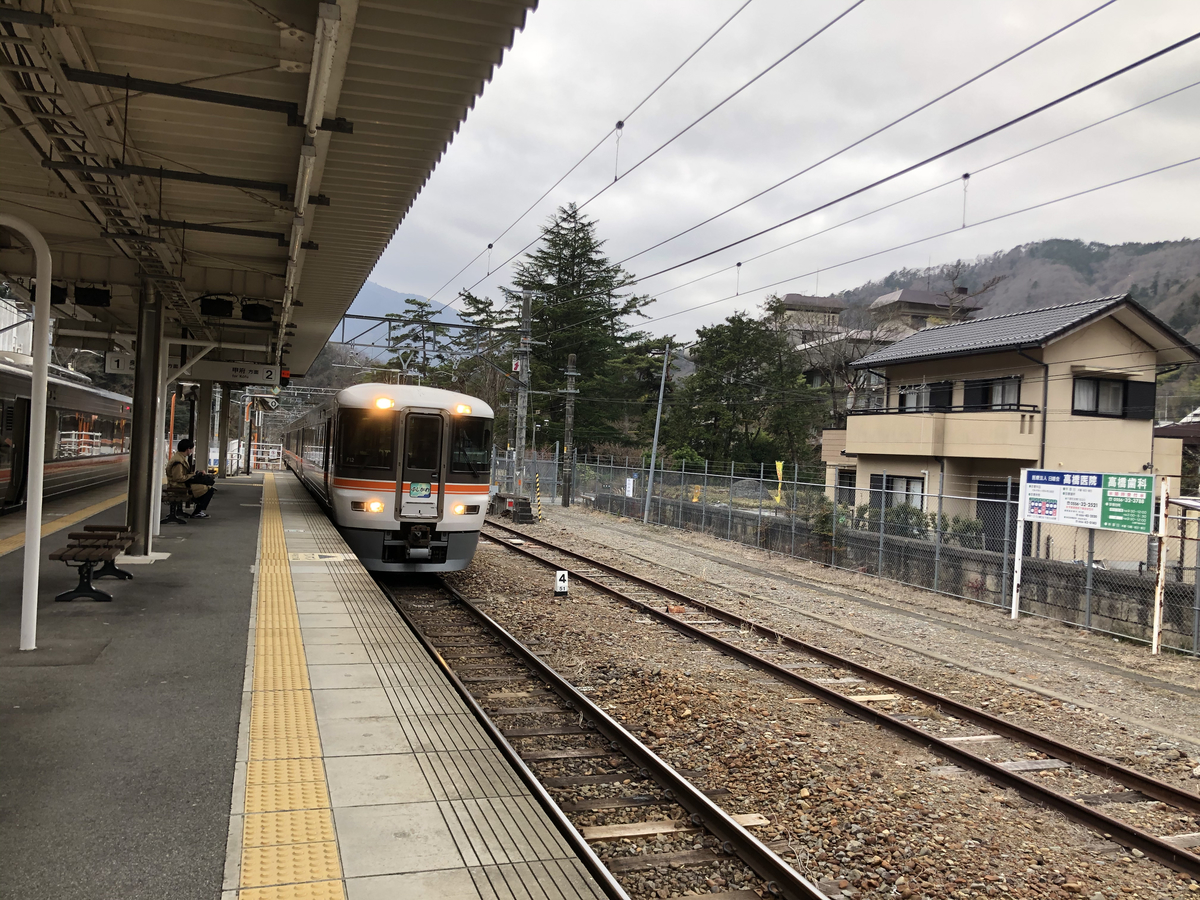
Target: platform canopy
{"x": 259, "y": 152}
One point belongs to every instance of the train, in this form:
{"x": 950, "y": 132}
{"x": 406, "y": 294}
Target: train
{"x": 403, "y": 471}
{"x": 87, "y": 439}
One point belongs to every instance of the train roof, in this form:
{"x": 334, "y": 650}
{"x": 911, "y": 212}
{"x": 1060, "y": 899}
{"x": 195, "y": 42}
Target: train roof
{"x": 363, "y": 396}
{"x": 12, "y": 368}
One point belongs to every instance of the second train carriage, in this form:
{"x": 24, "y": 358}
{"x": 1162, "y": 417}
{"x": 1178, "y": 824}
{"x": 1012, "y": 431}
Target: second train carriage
{"x": 88, "y": 433}
{"x": 403, "y": 471}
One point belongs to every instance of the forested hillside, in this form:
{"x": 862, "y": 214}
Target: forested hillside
{"x": 1163, "y": 276}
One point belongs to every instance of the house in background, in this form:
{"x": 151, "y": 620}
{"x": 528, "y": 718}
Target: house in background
{"x": 973, "y": 402}
{"x": 909, "y": 310}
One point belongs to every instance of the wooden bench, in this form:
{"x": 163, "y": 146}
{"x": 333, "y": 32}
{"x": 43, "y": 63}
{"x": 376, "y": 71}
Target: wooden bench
{"x": 109, "y": 569}
{"x": 87, "y": 550}
{"x": 175, "y": 496}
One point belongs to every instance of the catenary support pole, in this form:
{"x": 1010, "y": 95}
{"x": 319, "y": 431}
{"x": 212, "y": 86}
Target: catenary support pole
{"x": 140, "y": 511}
{"x": 662, "y": 385}
{"x": 160, "y": 432}
{"x": 523, "y": 379}
{"x": 937, "y": 543}
{"x": 704, "y": 497}
{"x": 37, "y": 428}
{"x": 223, "y": 431}
{"x": 1196, "y": 591}
{"x": 569, "y": 432}
{"x": 882, "y": 516}
{"x": 203, "y": 436}
{"x": 1160, "y": 578}
{"x": 1007, "y": 534}
{"x": 1087, "y": 582}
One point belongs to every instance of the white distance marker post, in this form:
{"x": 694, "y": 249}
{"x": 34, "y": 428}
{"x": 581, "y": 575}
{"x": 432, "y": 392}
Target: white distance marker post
{"x": 560, "y": 583}
{"x": 1019, "y": 548}
{"x": 1160, "y": 579}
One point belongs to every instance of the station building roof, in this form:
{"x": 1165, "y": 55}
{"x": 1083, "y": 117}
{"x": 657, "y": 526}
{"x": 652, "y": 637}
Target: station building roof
{"x": 167, "y": 140}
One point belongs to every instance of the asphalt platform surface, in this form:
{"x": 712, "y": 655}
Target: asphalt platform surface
{"x": 118, "y": 735}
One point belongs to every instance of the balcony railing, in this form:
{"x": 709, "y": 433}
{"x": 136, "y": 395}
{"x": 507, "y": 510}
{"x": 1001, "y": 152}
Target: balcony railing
{"x": 901, "y": 410}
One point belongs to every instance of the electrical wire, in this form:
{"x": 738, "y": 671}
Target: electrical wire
{"x": 875, "y": 133}
{"x": 935, "y": 157}
{"x": 587, "y": 155}
{"x": 687, "y": 128}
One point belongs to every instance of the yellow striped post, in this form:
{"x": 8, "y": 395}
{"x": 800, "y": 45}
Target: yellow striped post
{"x": 537, "y": 487}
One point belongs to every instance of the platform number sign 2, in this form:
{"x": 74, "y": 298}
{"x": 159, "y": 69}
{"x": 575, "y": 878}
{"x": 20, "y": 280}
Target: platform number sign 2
{"x": 560, "y": 583}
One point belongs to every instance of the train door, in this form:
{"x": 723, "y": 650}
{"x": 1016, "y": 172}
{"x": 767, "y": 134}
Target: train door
{"x": 327, "y": 458}
{"x": 419, "y": 484}
{"x": 14, "y": 455}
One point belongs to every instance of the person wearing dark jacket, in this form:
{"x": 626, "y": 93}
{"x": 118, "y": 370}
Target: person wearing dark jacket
{"x": 181, "y": 471}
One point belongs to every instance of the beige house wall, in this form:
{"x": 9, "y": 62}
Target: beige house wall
{"x": 995, "y": 445}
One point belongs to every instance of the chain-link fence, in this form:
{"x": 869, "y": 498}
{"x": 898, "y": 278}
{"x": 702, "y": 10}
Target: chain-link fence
{"x": 892, "y": 528}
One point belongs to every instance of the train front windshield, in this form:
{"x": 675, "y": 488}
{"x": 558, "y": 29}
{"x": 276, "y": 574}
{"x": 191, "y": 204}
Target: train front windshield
{"x": 470, "y": 447}
{"x": 367, "y": 438}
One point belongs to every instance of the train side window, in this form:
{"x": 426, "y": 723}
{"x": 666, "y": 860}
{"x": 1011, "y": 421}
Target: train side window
{"x": 367, "y": 438}
{"x": 470, "y": 446}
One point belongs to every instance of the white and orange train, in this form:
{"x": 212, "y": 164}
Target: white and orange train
{"x": 88, "y": 431}
{"x": 403, "y": 472}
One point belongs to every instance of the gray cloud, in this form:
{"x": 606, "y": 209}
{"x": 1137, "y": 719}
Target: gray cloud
{"x": 582, "y": 64}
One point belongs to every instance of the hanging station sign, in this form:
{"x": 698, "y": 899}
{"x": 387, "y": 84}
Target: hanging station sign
{"x": 1104, "y": 500}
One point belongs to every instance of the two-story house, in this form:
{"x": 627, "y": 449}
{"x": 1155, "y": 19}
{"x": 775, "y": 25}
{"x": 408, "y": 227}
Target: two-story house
{"x": 971, "y": 403}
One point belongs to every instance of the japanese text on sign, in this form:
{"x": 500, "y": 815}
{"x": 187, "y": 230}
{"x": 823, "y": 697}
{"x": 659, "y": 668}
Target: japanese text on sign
{"x": 1102, "y": 500}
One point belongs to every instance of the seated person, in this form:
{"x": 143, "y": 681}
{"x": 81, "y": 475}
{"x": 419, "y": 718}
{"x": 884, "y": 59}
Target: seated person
{"x": 181, "y": 472}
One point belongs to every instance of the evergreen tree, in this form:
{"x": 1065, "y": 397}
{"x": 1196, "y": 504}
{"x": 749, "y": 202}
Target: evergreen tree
{"x": 420, "y": 346}
{"x": 578, "y": 307}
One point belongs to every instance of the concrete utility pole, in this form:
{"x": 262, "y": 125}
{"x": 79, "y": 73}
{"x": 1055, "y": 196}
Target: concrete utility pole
{"x": 568, "y": 427}
{"x": 523, "y": 380}
{"x": 509, "y": 471}
{"x": 654, "y": 448}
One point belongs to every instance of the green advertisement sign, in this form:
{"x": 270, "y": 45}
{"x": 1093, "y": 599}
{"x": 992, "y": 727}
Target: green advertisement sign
{"x": 1104, "y": 500}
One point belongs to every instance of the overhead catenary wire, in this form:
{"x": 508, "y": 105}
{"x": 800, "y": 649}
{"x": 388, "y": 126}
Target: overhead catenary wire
{"x": 908, "y": 169}
{"x": 616, "y": 129}
{"x": 904, "y": 245}
{"x": 704, "y": 115}
{"x": 936, "y": 187}
{"x": 878, "y": 131}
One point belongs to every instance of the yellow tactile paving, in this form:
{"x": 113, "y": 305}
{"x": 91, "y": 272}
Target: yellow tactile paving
{"x": 280, "y": 771}
{"x": 323, "y": 890}
{"x": 290, "y": 863}
{"x": 17, "y": 541}
{"x": 300, "y": 826}
{"x": 287, "y": 795}
{"x": 289, "y": 850}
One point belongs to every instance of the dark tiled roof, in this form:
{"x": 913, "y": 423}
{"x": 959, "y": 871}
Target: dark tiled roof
{"x": 991, "y": 334}
{"x": 803, "y": 301}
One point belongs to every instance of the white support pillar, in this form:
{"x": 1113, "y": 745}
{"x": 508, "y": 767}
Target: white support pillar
{"x": 37, "y": 428}
{"x": 1018, "y": 555}
{"x": 1160, "y": 579}
{"x": 160, "y": 461}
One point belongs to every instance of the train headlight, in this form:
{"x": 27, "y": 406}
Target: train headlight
{"x": 385, "y": 403}
{"x": 462, "y": 409}
{"x": 460, "y": 509}
{"x": 375, "y": 506}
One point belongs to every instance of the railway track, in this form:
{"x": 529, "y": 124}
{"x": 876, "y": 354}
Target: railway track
{"x": 904, "y": 709}
{"x": 582, "y": 764}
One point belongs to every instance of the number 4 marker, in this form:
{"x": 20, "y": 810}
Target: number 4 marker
{"x": 560, "y": 583}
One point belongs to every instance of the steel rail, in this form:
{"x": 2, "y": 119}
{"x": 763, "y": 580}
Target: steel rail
{"x": 607, "y": 881}
{"x": 1123, "y": 833}
{"x": 782, "y": 880}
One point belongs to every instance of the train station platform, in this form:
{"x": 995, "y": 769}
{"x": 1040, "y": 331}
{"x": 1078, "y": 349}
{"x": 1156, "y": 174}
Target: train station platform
{"x": 250, "y": 718}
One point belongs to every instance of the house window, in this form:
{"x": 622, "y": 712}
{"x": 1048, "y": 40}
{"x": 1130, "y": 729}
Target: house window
{"x": 925, "y": 397}
{"x": 900, "y": 490}
{"x": 1113, "y": 398}
{"x": 992, "y": 393}
{"x": 846, "y": 482}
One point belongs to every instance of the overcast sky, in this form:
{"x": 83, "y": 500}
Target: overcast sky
{"x": 580, "y": 65}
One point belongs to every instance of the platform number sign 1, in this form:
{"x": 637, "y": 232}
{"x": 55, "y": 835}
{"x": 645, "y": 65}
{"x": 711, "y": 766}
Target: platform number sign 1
{"x": 560, "y": 583}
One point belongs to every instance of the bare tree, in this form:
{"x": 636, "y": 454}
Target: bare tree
{"x": 958, "y": 296}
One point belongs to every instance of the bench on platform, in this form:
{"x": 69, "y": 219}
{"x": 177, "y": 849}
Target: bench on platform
{"x": 109, "y": 569}
{"x": 86, "y": 551}
{"x": 175, "y": 496}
